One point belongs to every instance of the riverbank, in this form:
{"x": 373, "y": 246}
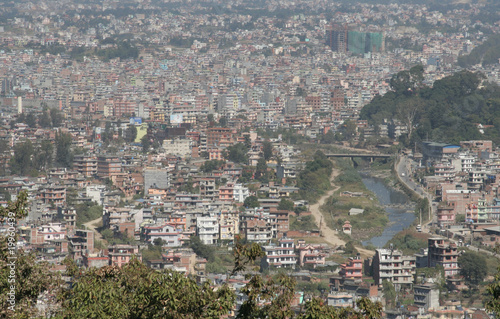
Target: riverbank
{"x": 330, "y": 235}
{"x": 353, "y": 202}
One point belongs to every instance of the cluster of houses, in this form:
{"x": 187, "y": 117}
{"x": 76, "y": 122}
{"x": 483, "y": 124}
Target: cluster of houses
{"x": 465, "y": 182}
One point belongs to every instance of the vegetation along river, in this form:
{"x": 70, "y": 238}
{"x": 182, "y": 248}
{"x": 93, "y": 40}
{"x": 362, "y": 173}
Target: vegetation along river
{"x": 399, "y": 218}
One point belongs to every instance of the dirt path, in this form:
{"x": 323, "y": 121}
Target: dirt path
{"x": 91, "y": 226}
{"x": 328, "y": 234}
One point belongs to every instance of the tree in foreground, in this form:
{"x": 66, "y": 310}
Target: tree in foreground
{"x": 493, "y": 290}
{"x": 23, "y": 279}
{"x": 136, "y": 291}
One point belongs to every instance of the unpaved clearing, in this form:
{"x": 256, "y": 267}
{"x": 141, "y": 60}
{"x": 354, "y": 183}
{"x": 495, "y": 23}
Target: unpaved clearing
{"x": 328, "y": 234}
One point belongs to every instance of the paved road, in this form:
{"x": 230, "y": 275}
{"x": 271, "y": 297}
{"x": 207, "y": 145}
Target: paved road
{"x": 404, "y": 174}
{"x": 403, "y": 168}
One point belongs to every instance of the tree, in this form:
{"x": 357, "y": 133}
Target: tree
{"x": 389, "y": 292}
{"x": 328, "y": 138}
{"x": 236, "y": 153}
{"x": 3, "y": 146}
{"x": 248, "y": 142}
{"x": 44, "y": 155}
{"x": 44, "y": 120}
{"x": 350, "y": 249}
{"x": 223, "y": 121}
{"x": 30, "y": 120}
{"x": 211, "y": 165}
{"x": 408, "y": 82}
{"x": 251, "y": 202}
{"x": 348, "y": 130}
{"x": 409, "y": 111}
{"x": 267, "y": 150}
{"x": 136, "y": 291}
{"x": 56, "y": 117}
{"x": 201, "y": 249}
{"x": 285, "y": 204}
{"x": 261, "y": 173}
{"x": 146, "y": 144}
{"x": 473, "y": 267}
{"x": 28, "y": 278}
{"x": 21, "y": 163}
{"x": 64, "y": 156}
{"x": 130, "y": 133}
{"x": 493, "y": 290}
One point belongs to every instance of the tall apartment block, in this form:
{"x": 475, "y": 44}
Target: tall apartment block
{"x": 392, "y": 265}
{"x": 443, "y": 252}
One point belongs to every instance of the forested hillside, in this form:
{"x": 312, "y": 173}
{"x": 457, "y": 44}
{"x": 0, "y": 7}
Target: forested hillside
{"x": 487, "y": 53}
{"x": 459, "y": 107}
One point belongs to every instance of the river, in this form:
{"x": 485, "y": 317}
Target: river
{"x": 399, "y": 219}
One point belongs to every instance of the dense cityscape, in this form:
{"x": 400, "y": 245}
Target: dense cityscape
{"x": 266, "y": 159}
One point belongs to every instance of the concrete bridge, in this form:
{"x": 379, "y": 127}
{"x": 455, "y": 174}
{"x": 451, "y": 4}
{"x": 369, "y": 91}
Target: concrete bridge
{"x": 371, "y": 157}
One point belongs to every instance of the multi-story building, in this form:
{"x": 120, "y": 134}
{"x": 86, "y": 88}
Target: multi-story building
{"x": 353, "y": 269}
{"x": 476, "y": 180}
{"x": 257, "y": 230}
{"x": 108, "y": 166}
{"x": 123, "y": 107}
{"x": 226, "y": 193}
{"x": 311, "y": 255}
{"x": 207, "y": 188}
{"x": 68, "y": 216}
{"x": 80, "y": 244}
{"x": 228, "y": 224}
{"x": 240, "y": 193}
{"x": 281, "y": 256}
{"x": 85, "y": 165}
{"x": 120, "y": 255}
{"x": 426, "y": 296}
{"x": 336, "y": 38}
{"x": 219, "y": 137}
{"x": 46, "y": 233}
{"x": 443, "y": 252}
{"x": 156, "y": 178}
{"x": 280, "y": 221}
{"x": 170, "y": 235}
{"x": 179, "y": 147}
{"x": 53, "y": 194}
{"x": 392, "y": 265}
{"x": 207, "y": 228}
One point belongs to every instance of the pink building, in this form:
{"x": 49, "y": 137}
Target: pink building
{"x": 119, "y": 255}
{"x": 353, "y": 269}
{"x": 311, "y": 255}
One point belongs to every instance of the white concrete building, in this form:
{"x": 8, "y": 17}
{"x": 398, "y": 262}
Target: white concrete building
{"x": 207, "y": 228}
{"x": 283, "y": 255}
{"x": 178, "y": 147}
{"x": 240, "y": 193}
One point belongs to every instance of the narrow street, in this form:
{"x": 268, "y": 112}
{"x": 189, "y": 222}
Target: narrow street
{"x": 91, "y": 226}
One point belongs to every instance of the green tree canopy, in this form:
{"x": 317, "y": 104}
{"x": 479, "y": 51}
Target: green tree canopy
{"x": 449, "y": 111}
{"x": 130, "y": 133}
{"x": 473, "y": 267}
{"x": 236, "y": 153}
{"x": 21, "y": 163}
{"x": 64, "y": 156}
{"x": 251, "y": 202}
{"x": 285, "y": 204}
{"x": 267, "y": 150}
{"x": 211, "y": 165}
